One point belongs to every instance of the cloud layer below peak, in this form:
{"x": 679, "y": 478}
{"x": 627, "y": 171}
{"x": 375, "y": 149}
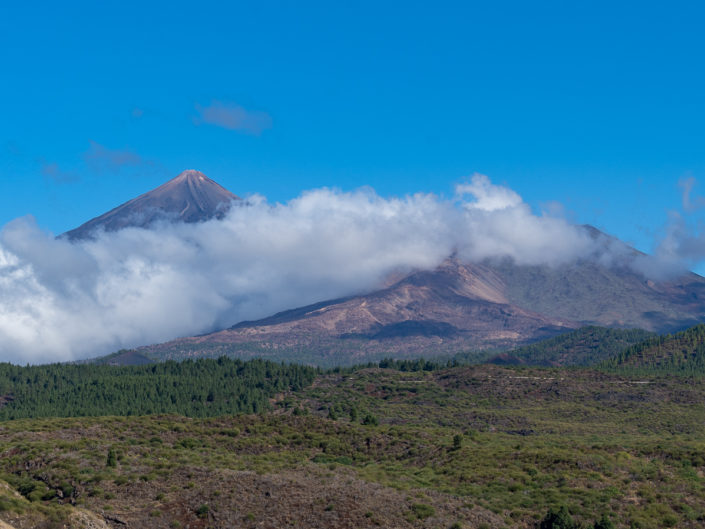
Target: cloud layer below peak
{"x": 64, "y": 301}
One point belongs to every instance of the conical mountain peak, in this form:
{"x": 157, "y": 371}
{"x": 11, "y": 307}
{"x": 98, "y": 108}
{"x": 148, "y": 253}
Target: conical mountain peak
{"x": 192, "y": 176}
{"x": 190, "y": 197}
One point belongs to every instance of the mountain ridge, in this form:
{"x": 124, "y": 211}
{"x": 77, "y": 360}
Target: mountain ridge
{"x": 496, "y": 304}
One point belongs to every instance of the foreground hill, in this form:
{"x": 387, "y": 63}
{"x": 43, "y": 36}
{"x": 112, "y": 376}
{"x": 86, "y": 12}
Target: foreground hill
{"x": 583, "y": 347}
{"x": 470, "y": 447}
{"x": 682, "y": 353}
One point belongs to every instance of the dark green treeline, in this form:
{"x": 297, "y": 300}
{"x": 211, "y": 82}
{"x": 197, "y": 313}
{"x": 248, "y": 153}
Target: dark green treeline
{"x": 195, "y": 388}
{"x": 682, "y": 353}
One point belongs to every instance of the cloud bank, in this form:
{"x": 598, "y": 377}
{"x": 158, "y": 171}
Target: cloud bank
{"x": 61, "y": 300}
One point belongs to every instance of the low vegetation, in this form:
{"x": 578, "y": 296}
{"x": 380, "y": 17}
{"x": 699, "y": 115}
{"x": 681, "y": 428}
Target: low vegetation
{"x": 413, "y": 444}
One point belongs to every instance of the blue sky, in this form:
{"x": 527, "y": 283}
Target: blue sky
{"x": 594, "y": 105}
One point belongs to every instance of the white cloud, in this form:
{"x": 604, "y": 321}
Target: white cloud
{"x": 487, "y": 196}
{"x": 62, "y": 300}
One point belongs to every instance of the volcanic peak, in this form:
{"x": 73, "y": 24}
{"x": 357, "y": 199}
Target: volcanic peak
{"x": 190, "y": 197}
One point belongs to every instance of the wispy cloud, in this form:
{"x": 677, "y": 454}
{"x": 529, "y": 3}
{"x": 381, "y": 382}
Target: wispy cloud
{"x": 690, "y": 203}
{"x": 101, "y": 159}
{"x": 52, "y": 171}
{"x": 232, "y": 116}
{"x": 681, "y": 244}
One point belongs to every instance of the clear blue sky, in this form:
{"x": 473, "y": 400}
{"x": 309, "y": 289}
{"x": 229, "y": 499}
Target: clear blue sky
{"x": 597, "y": 105}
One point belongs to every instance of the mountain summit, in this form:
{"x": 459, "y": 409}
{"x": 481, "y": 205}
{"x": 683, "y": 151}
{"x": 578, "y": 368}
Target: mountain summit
{"x": 190, "y": 197}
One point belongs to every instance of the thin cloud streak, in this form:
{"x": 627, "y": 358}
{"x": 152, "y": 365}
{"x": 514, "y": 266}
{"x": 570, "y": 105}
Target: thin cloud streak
{"x": 101, "y": 159}
{"x": 681, "y": 247}
{"x": 232, "y": 116}
{"x": 689, "y": 202}
{"x": 52, "y": 171}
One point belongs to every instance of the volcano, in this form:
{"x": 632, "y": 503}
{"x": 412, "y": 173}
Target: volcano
{"x": 459, "y": 306}
{"x": 190, "y": 197}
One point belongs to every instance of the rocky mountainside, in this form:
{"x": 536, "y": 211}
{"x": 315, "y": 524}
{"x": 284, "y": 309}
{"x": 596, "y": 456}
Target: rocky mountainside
{"x": 190, "y": 197}
{"x": 608, "y": 296}
{"x": 458, "y": 306}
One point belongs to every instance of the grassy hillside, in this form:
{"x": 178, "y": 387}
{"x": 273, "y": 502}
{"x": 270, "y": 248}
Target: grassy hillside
{"x": 472, "y": 447}
{"x": 681, "y": 353}
{"x": 583, "y": 347}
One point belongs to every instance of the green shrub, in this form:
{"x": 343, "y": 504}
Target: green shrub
{"x": 604, "y": 523}
{"x": 370, "y": 420}
{"x": 202, "y": 511}
{"x": 670, "y": 520}
{"x": 559, "y": 519}
{"x": 112, "y": 459}
{"x": 422, "y": 511}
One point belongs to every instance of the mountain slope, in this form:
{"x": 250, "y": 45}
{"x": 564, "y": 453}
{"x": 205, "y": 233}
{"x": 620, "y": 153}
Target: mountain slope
{"x": 190, "y": 197}
{"x": 607, "y": 296}
{"x": 453, "y": 308}
{"x": 460, "y": 307}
